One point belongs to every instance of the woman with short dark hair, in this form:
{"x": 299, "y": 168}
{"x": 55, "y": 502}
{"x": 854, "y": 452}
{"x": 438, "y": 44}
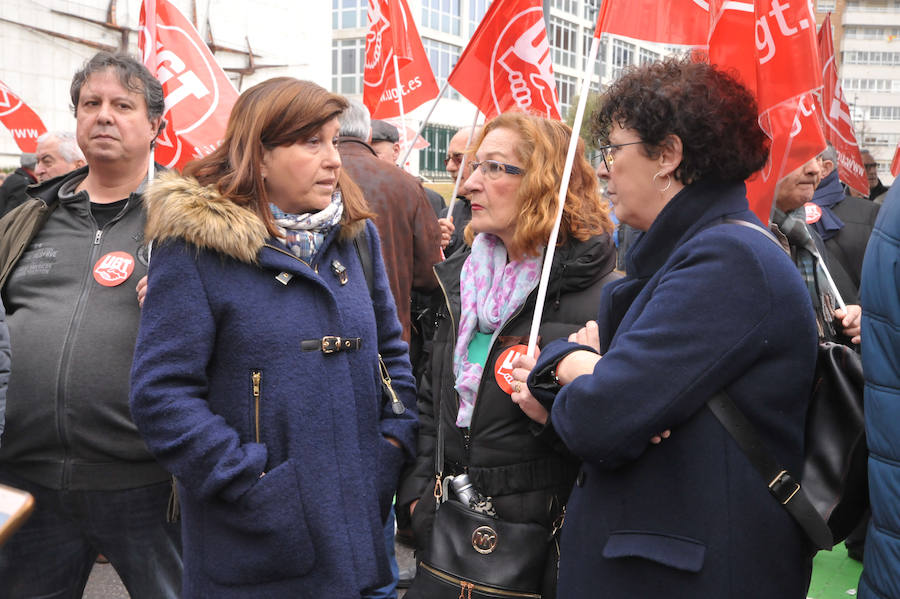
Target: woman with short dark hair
{"x": 256, "y": 373}
{"x": 707, "y": 305}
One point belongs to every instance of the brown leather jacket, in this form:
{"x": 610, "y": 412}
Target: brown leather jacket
{"x": 407, "y": 225}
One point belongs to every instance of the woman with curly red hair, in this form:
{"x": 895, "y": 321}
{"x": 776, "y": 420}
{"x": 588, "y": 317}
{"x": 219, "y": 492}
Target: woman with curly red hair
{"x": 492, "y": 431}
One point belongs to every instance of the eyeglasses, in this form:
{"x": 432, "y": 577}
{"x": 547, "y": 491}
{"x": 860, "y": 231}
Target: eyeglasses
{"x": 869, "y": 166}
{"x": 608, "y": 154}
{"x": 455, "y": 157}
{"x": 493, "y": 169}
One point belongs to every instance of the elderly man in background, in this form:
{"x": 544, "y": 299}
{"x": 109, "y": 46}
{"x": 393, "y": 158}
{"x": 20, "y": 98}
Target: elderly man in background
{"x": 453, "y": 225}
{"x": 877, "y": 189}
{"x": 13, "y": 191}
{"x": 57, "y": 154}
{"x": 808, "y": 251}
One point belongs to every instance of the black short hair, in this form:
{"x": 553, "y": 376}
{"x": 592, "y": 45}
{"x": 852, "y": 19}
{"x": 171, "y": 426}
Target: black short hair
{"x": 712, "y": 113}
{"x": 133, "y": 76}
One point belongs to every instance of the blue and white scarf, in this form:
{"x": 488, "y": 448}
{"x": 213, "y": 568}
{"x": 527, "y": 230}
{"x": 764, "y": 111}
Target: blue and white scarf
{"x": 303, "y": 234}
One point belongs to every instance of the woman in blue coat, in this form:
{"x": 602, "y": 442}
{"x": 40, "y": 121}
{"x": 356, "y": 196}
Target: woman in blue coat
{"x": 256, "y": 374}
{"x": 706, "y": 306}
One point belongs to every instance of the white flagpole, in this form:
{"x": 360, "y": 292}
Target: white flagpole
{"x": 462, "y": 166}
{"x": 563, "y": 189}
{"x": 400, "y": 103}
{"x": 425, "y": 122}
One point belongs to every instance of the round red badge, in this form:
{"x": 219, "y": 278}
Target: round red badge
{"x": 113, "y": 269}
{"x": 503, "y": 366}
{"x": 813, "y": 213}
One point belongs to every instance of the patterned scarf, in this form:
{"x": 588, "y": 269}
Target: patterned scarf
{"x": 303, "y": 234}
{"x": 491, "y": 290}
{"x": 808, "y": 259}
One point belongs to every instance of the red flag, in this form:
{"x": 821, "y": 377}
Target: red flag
{"x": 199, "y": 95}
{"x": 836, "y": 116}
{"x": 678, "y": 22}
{"x": 391, "y": 30}
{"x": 507, "y": 64}
{"x": 24, "y": 124}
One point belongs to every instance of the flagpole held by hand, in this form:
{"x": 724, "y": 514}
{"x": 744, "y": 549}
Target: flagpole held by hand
{"x": 563, "y": 190}
{"x": 400, "y": 103}
{"x": 425, "y": 122}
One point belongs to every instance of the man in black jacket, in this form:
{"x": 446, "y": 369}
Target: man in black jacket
{"x": 69, "y": 259}
{"x": 13, "y": 191}
{"x": 843, "y": 222}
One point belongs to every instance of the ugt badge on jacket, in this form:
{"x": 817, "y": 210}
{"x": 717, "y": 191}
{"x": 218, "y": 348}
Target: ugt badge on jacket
{"x": 113, "y": 268}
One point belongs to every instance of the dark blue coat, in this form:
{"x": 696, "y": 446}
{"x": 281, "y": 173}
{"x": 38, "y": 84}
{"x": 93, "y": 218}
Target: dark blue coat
{"x": 222, "y": 392}
{"x": 703, "y": 308}
{"x": 881, "y": 363}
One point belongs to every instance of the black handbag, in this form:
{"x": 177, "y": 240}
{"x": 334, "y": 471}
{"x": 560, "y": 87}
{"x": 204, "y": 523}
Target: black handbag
{"x": 832, "y": 495}
{"x": 473, "y": 555}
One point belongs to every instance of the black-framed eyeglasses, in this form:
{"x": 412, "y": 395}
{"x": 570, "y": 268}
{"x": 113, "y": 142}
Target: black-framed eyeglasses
{"x": 870, "y": 166}
{"x": 455, "y": 157}
{"x": 608, "y": 154}
{"x": 493, "y": 169}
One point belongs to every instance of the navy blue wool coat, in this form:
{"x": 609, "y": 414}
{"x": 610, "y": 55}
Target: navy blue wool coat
{"x": 703, "y": 308}
{"x": 222, "y": 392}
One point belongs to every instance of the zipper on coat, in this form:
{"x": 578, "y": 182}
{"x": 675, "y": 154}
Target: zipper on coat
{"x": 61, "y": 384}
{"x": 466, "y": 587}
{"x": 256, "y": 381}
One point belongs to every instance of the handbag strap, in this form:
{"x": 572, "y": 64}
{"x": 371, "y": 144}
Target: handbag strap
{"x": 781, "y": 483}
{"x": 784, "y": 487}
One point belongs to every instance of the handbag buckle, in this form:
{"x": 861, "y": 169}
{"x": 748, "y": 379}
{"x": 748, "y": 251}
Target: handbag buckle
{"x": 776, "y": 486}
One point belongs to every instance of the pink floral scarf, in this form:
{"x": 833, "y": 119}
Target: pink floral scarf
{"x": 491, "y": 290}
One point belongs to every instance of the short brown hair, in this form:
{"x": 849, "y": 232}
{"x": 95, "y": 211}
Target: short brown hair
{"x": 542, "y": 154}
{"x": 276, "y": 112}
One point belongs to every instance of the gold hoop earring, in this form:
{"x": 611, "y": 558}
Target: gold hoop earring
{"x": 668, "y": 182}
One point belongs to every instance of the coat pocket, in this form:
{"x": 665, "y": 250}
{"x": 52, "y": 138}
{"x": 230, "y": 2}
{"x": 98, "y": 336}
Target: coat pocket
{"x": 681, "y": 553}
{"x": 262, "y": 537}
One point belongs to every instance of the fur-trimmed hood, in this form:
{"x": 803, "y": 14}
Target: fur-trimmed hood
{"x": 179, "y": 206}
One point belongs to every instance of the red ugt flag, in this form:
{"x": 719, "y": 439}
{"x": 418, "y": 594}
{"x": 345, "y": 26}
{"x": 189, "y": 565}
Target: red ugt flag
{"x": 507, "y": 64}
{"x": 199, "y": 95}
{"x": 684, "y": 22}
{"x": 836, "y": 116}
{"x": 392, "y": 31}
{"x": 895, "y": 163}
{"x": 24, "y": 124}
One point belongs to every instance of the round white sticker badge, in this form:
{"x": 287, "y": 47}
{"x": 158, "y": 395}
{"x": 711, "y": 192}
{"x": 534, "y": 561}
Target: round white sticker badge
{"x": 813, "y": 213}
{"x": 113, "y": 268}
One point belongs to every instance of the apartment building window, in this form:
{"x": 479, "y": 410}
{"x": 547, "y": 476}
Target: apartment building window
{"x": 443, "y": 58}
{"x": 441, "y": 15}
{"x": 477, "y": 9}
{"x": 431, "y": 159}
{"x": 349, "y": 14}
{"x": 587, "y": 38}
{"x": 622, "y": 56}
{"x": 863, "y": 57}
{"x": 825, "y": 5}
{"x": 871, "y": 85}
{"x": 567, "y": 6}
{"x": 348, "y": 61}
{"x": 872, "y": 33}
{"x": 563, "y": 39}
{"x": 646, "y": 56}
{"x": 884, "y": 113}
{"x": 591, "y": 8}
{"x": 567, "y": 89}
